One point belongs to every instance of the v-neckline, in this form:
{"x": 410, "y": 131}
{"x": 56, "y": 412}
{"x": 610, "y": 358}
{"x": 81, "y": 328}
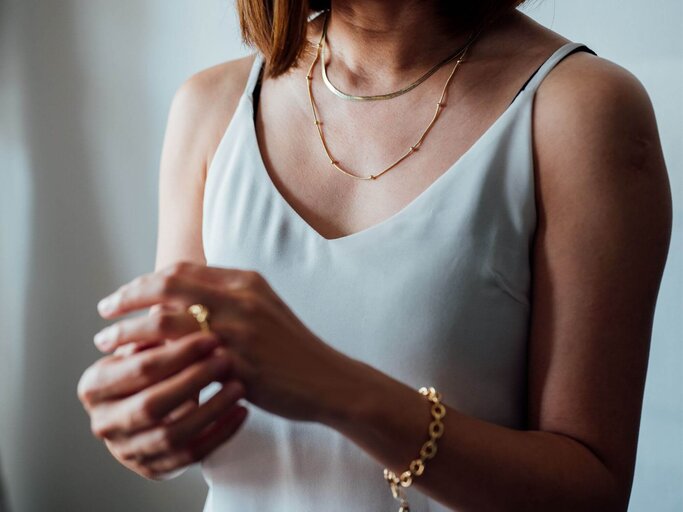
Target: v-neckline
{"x": 431, "y": 189}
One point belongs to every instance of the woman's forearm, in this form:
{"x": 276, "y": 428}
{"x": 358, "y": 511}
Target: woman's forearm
{"x": 479, "y": 466}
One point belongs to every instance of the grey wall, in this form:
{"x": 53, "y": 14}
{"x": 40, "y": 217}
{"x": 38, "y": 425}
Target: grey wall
{"x": 85, "y": 87}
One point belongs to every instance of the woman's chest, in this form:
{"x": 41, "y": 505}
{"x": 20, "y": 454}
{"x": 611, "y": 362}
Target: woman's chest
{"x": 315, "y": 167}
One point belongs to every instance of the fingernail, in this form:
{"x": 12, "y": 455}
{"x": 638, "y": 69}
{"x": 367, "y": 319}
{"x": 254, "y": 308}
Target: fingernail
{"x": 102, "y": 338}
{"x": 99, "y": 339}
{"x": 105, "y": 305}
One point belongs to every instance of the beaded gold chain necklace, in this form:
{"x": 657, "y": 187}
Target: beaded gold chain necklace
{"x": 318, "y": 123}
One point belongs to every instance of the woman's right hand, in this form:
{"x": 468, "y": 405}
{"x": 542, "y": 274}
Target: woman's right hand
{"x": 144, "y": 405}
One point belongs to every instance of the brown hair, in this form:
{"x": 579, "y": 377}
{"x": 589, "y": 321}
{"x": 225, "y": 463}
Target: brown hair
{"x": 278, "y": 27}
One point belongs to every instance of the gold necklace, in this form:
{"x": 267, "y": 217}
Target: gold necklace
{"x": 373, "y": 97}
{"x": 413, "y": 148}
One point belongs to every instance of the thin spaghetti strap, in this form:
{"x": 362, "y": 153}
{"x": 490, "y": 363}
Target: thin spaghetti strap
{"x": 562, "y": 52}
{"x": 254, "y": 74}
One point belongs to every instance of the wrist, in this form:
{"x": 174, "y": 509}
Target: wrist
{"x": 344, "y": 397}
{"x": 359, "y": 394}
{"x": 386, "y": 417}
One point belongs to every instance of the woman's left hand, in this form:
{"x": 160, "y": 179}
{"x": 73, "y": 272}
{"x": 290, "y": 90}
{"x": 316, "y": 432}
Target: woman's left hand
{"x": 286, "y": 369}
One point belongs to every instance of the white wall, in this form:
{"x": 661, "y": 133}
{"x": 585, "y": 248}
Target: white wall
{"x": 85, "y": 87}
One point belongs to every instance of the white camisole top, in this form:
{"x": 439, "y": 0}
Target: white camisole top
{"x": 437, "y": 294}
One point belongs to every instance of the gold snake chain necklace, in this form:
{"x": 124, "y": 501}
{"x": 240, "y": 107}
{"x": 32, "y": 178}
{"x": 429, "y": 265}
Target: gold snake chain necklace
{"x": 439, "y": 105}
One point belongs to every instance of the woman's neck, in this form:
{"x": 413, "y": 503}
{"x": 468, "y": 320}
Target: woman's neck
{"x": 384, "y": 41}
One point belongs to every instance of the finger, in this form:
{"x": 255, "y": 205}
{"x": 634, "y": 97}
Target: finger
{"x": 146, "y": 291}
{"x": 133, "y": 347}
{"x": 145, "y": 329}
{"x": 128, "y": 349}
{"x": 182, "y": 410}
{"x": 121, "y": 376}
{"x": 180, "y": 284}
{"x": 172, "y": 436}
{"x": 164, "y": 308}
{"x": 118, "y": 446}
{"x": 148, "y": 407}
{"x": 222, "y": 430}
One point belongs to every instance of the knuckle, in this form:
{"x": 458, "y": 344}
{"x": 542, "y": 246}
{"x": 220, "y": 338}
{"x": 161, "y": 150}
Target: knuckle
{"x": 250, "y": 303}
{"x": 87, "y": 397}
{"x": 146, "y": 413}
{"x": 179, "y": 268}
{"x": 125, "y": 454}
{"x": 84, "y": 390}
{"x": 252, "y": 278}
{"x": 136, "y": 282}
{"x": 133, "y": 285}
{"x": 163, "y": 322}
{"x": 98, "y": 428}
{"x": 168, "y": 440}
{"x": 168, "y": 285}
{"x": 147, "y": 367}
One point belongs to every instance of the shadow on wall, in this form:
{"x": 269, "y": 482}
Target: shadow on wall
{"x": 67, "y": 256}
{"x": 59, "y": 466}
{"x": 3, "y": 500}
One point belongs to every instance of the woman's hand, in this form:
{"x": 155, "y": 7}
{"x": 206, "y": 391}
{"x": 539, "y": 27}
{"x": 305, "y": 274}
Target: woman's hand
{"x": 143, "y": 404}
{"x": 285, "y": 368}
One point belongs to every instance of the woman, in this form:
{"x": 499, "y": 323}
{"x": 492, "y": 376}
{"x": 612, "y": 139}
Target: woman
{"x": 505, "y": 246}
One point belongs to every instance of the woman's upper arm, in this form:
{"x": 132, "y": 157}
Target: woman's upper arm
{"x": 604, "y": 225}
{"x": 199, "y": 115}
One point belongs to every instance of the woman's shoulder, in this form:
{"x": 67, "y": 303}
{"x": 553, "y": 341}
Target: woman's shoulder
{"x": 596, "y": 145}
{"x": 586, "y": 102}
{"x": 586, "y": 80}
{"x": 205, "y": 102}
{"x": 580, "y": 82}
{"x": 222, "y": 82}
{"x": 591, "y": 105}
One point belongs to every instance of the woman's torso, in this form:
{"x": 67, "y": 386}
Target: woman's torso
{"x": 434, "y": 290}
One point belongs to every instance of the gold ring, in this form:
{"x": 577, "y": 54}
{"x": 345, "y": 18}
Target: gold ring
{"x": 200, "y": 313}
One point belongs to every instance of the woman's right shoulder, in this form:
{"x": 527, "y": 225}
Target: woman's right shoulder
{"x": 204, "y": 104}
{"x": 216, "y": 85}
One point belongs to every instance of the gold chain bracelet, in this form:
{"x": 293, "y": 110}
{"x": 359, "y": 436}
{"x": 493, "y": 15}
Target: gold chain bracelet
{"x": 428, "y": 451}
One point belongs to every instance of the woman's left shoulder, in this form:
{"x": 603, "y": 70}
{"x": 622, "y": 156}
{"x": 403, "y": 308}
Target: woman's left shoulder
{"x": 591, "y": 111}
{"x": 590, "y": 101}
{"x": 584, "y": 79}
